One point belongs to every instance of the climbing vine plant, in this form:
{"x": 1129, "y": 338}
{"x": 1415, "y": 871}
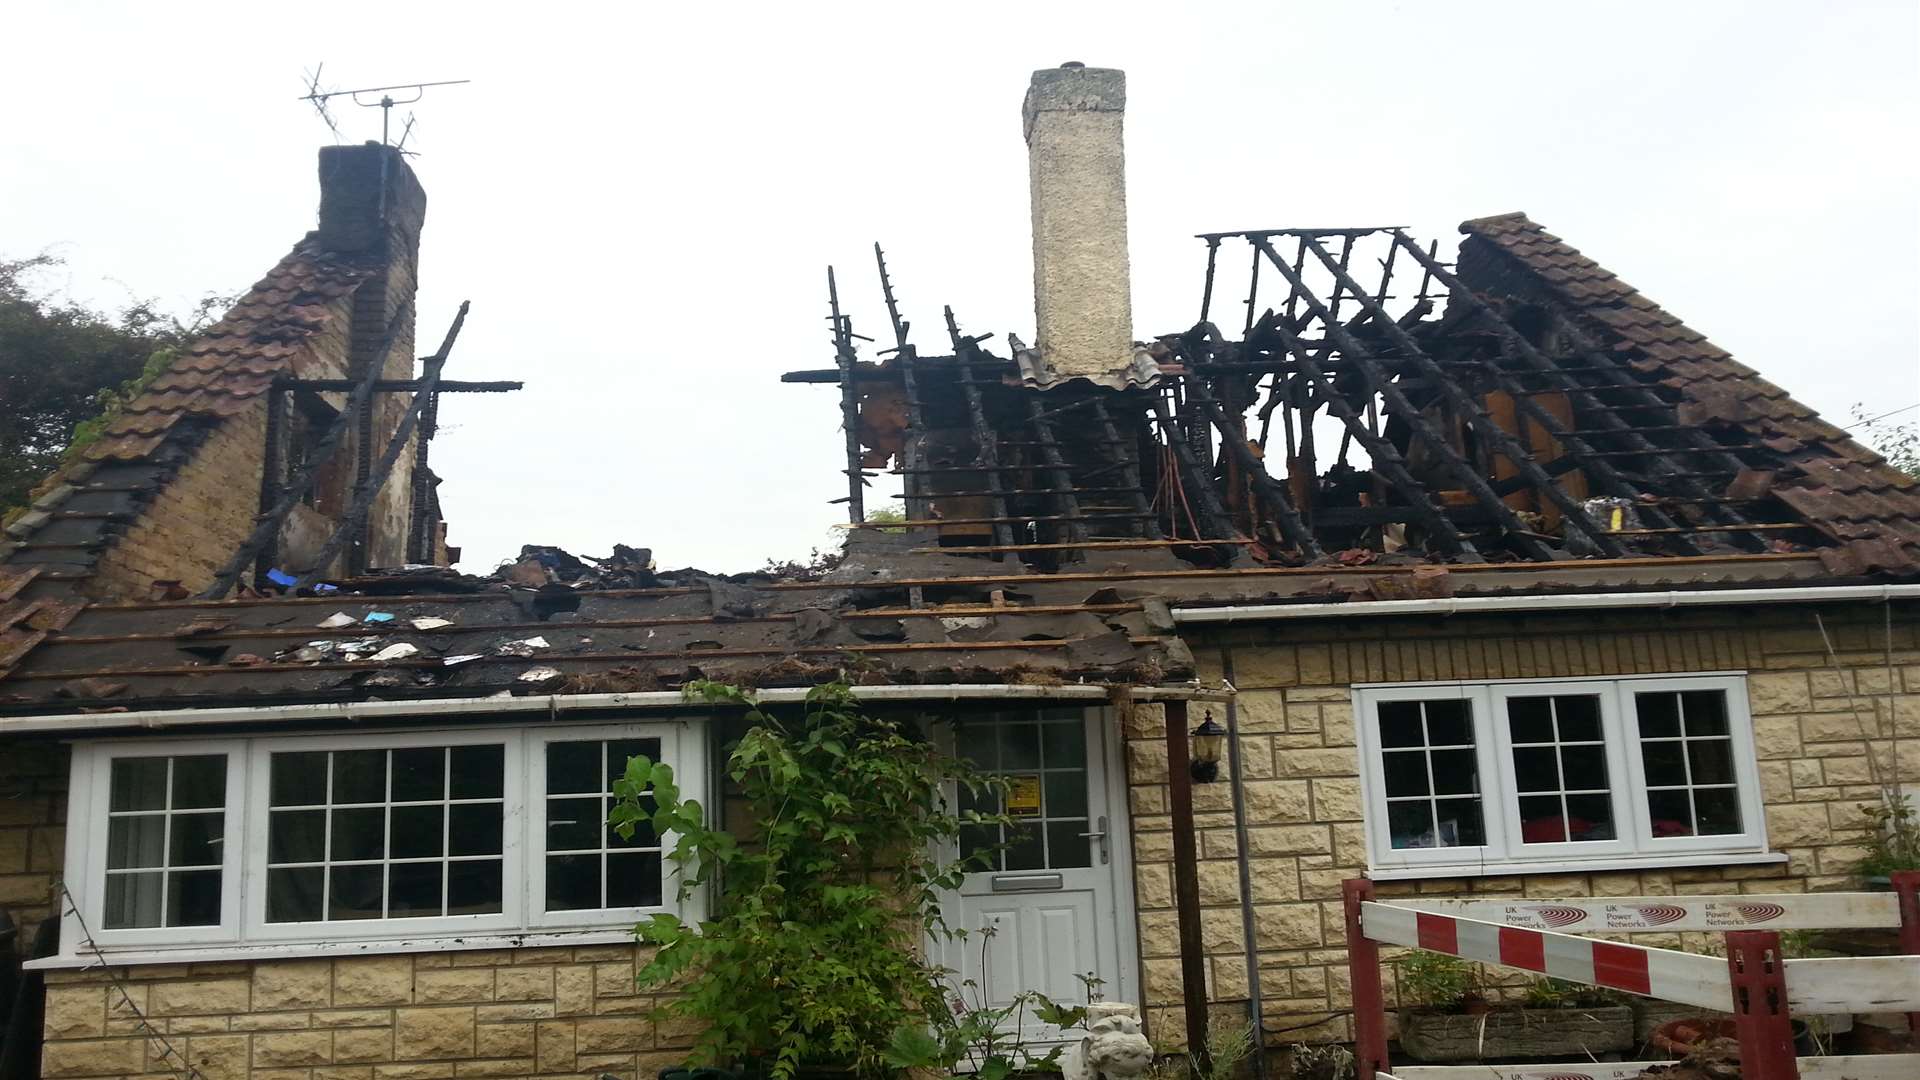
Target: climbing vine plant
{"x": 811, "y": 955}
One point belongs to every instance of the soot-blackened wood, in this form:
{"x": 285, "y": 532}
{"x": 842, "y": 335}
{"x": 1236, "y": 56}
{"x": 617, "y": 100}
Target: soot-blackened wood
{"x": 1213, "y": 513}
{"x": 1233, "y": 439}
{"x": 849, "y": 402}
{"x": 1385, "y": 456}
{"x": 1603, "y": 414}
{"x": 272, "y": 465}
{"x": 266, "y": 529}
{"x": 1057, "y": 468}
{"x": 908, "y": 357}
{"x": 1570, "y": 509}
{"x": 354, "y": 527}
{"x": 1462, "y": 469}
{"x": 1186, "y": 886}
{"x": 1147, "y": 524}
{"x": 986, "y": 454}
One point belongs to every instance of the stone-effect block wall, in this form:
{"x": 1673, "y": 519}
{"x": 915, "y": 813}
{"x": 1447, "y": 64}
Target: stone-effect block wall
{"x": 550, "y": 1012}
{"x": 33, "y": 818}
{"x": 1813, "y": 720}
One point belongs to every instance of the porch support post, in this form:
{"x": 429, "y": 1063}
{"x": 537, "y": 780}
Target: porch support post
{"x": 1760, "y": 1018}
{"x": 1186, "y": 885}
{"x": 1369, "y": 1001}
{"x": 1906, "y": 885}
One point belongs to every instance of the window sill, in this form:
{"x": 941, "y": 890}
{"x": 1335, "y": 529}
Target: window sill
{"x": 203, "y": 954}
{"x": 1573, "y": 866}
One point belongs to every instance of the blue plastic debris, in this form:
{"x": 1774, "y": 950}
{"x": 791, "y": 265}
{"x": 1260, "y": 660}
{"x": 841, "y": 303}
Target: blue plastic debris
{"x": 282, "y": 578}
{"x": 377, "y": 617}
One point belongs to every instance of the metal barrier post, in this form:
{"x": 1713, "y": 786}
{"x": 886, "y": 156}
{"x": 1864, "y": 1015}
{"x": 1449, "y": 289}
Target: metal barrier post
{"x": 1759, "y": 975}
{"x": 1369, "y": 1002}
{"x": 1906, "y": 885}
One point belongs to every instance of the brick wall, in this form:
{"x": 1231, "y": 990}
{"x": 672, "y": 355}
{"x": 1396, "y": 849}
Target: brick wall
{"x": 1303, "y": 802}
{"x": 33, "y": 817}
{"x": 431, "y": 1016}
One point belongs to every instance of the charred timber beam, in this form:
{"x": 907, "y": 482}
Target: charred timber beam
{"x": 1572, "y": 513}
{"x": 1062, "y": 476}
{"x": 272, "y": 465}
{"x": 266, "y": 529}
{"x": 849, "y": 400}
{"x": 1233, "y": 439}
{"x": 986, "y": 453}
{"x": 1015, "y": 520}
{"x": 1129, "y": 461}
{"x": 1212, "y": 510}
{"x": 354, "y": 525}
{"x": 395, "y": 386}
{"x": 908, "y": 356}
{"x": 1386, "y": 458}
{"x": 1605, "y": 414}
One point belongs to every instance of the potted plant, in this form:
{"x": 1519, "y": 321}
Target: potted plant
{"x": 810, "y": 959}
{"x": 1891, "y": 839}
{"x": 1453, "y": 1023}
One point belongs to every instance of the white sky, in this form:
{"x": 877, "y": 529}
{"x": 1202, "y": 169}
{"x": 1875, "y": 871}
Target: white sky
{"x": 641, "y": 200}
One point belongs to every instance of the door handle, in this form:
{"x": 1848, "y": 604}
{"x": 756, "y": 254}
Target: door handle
{"x": 1101, "y": 835}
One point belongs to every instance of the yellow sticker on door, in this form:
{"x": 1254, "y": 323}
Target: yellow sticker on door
{"x": 1023, "y": 796}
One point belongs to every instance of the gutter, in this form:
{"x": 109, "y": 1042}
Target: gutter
{"x": 1468, "y": 605}
{"x": 554, "y": 704}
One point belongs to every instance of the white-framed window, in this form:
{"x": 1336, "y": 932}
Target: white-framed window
{"x": 284, "y": 840}
{"x": 1556, "y": 774}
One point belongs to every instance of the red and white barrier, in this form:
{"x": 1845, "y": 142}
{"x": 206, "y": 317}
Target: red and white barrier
{"x": 1840, "y": 1067}
{"x": 1636, "y": 969}
{"x": 1586, "y": 915}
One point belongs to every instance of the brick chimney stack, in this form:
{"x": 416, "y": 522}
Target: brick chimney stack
{"x": 1083, "y": 304}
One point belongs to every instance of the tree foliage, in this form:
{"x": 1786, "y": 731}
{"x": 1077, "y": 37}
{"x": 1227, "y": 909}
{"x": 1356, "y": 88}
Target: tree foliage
{"x": 1898, "y": 443}
{"x": 63, "y": 363}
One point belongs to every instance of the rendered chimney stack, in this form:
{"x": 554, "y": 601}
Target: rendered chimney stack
{"x": 1083, "y": 305}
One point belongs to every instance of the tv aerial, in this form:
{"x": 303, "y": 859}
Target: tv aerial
{"x": 319, "y": 98}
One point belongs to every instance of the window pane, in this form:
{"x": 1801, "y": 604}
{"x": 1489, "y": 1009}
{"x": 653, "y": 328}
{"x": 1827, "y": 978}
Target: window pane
{"x": 413, "y": 889}
{"x": 1578, "y": 718}
{"x": 353, "y": 892}
{"x": 196, "y": 840}
{"x": 1590, "y": 817}
{"x": 619, "y": 750}
{"x": 633, "y": 880}
{"x": 573, "y": 824}
{"x": 200, "y": 782}
{"x": 1670, "y": 812}
{"x": 1410, "y": 824}
{"x": 573, "y": 882}
{"x": 473, "y": 888}
{"x": 1717, "y": 811}
{"x": 359, "y": 834}
{"x": 1066, "y": 795}
{"x": 1455, "y": 772}
{"x": 359, "y": 776}
{"x": 1019, "y": 746}
{"x": 1665, "y": 763}
{"x": 420, "y": 774}
{"x": 1705, "y": 711}
{"x": 1025, "y": 850}
{"x": 1659, "y": 714}
{"x": 1541, "y": 821}
{"x": 1066, "y": 847}
{"x": 133, "y": 900}
{"x": 1536, "y": 768}
{"x": 474, "y": 829}
{"x": 139, "y": 784}
{"x": 1459, "y": 823}
{"x": 298, "y": 779}
{"x": 1064, "y": 744}
{"x": 193, "y": 898}
{"x": 975, "y": 839}
{"x": 479, "y": 772}
{"x": 294, "y": 895}
{"x": 1449, "y": 723}
{"x": 573, "y": 766}
{"x": 1406, "y": 773}
{"x": 643, "y": 834}
{"x": 136, "y": 841}
{"x": 296, "y": 836}
{"x": 1584, "y": 767}
{"x": 1530, "y": 719}
{"x": 1400, "y": 724}
{"x": 416, "y": 832}
{"x": 1711, "y": 760}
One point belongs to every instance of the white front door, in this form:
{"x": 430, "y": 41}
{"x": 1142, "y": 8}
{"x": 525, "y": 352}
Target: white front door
{"x": 1056, "y": 901}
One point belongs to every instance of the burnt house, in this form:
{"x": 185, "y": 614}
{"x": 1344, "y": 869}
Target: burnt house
{"x": 1501, "y": 579}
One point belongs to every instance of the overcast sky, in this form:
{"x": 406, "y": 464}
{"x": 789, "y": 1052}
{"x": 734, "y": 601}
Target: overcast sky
{"x": 641, "y": 200}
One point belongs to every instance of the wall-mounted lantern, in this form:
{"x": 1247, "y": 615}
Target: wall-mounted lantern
{"x": 1209, "y": 739}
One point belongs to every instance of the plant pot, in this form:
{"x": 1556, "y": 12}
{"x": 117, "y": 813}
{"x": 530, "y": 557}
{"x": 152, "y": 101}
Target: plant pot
{"x": 1507, "y": 1034}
